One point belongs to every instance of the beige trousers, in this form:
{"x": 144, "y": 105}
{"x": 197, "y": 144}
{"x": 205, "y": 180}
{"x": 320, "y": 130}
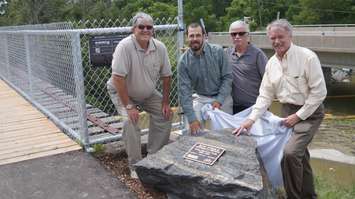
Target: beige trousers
{"x": 296, "y": 169}
{"x": 159, "y": 127}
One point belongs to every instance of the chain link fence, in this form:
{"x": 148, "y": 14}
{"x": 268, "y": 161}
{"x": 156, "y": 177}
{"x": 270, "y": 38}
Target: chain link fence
{"x": 96, "y": 77}
{"x": 45, "y": 67}
{"x": 50, "y": 66}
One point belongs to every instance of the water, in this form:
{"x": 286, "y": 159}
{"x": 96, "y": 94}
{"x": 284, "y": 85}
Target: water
{"x": 340, "y": 99}
{"x": 333, "y": 134}
{"x": 335, "y": 172}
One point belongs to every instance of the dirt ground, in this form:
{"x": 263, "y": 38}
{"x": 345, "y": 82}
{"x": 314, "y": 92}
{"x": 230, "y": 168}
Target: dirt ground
{"x": 117, "y": 163}
{"x": 335, "y": 133}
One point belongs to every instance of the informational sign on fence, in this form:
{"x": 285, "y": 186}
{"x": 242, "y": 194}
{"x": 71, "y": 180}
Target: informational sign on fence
{"x": 204, "y": 153}
{"x": 102, "y": 48}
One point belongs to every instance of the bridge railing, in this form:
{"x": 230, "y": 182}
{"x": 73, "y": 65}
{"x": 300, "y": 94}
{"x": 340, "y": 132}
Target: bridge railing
{"x": 51, "y": 68}
{"x": 334, "y": 48}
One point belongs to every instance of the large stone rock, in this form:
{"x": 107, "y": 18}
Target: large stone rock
{"x": 237, "y": 173}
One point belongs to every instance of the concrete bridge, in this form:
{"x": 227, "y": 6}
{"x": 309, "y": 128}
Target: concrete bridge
{"x": 335, "y": 44}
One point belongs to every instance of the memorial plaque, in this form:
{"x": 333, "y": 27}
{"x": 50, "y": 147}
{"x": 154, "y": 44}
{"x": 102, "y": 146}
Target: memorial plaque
{"x": 204, "y": 153}
{"x": 102, "y": 48}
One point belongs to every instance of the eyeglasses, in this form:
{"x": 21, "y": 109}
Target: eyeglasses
{"x": 141, "y": 27}
{"x": 233, "y": 34}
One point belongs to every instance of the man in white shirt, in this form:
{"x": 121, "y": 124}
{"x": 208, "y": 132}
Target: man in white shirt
{"x": 294, "y": 76}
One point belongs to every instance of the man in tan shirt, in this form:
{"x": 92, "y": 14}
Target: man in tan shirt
{"x": 294, "y": 76}
{"x": 139, "y": 61}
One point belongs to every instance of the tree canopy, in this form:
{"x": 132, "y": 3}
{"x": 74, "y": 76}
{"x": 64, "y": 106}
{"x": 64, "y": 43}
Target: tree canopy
{"x": 217, "y": 15}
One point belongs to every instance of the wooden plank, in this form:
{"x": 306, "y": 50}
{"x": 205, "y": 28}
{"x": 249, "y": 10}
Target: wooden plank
{"x": 37, "y": 150}
{"x": 27, "y": 117}
{"x": 21, "y": 113}
{"x": 26, "y": 133}
{"x": 20, "y": 144}
{"x": 40, "y": 154}
{"x": 26, "y": 122}
{"x": 26, "y": 125}
{"x": 24, "y": 146}
{"x": 42, "y": 126}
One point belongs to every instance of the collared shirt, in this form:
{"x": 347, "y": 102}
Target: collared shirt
{"x": 248, "y": 70}
{"x": 142, "y": 69}
{"x": 207, "y": 74}
{"x": 296, "y": 79}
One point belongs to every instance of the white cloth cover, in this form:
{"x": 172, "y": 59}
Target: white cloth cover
{"x": 268, "y": 132}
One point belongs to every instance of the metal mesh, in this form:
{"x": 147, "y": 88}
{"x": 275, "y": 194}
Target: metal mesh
{"x": 43, "y": 66}
{"x": 96, "y": 77}
{"x": 50, "y": 66}
{"x": 50, "y": 26}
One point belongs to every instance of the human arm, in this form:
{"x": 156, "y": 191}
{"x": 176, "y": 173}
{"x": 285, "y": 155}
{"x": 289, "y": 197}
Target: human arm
{"x": 261, "y": 61}
{"x": 185, "y": 90}
{"x": 316, "y": 85}
{"x": 195, "y": 127}
{"x": 226, "y": 78}
{"x": 121, "y": 64}
{"x": 166, "y": 103}
{"x": 291, "y": 120}
{"x": 244, "y": 127}
{"x": 266, "y": 95}
{"x": 121, "y": 88}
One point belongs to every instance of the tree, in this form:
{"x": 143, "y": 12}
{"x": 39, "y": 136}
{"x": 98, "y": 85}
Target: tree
{"x": 239, "y": 9}
{"x": 325, "y": 12}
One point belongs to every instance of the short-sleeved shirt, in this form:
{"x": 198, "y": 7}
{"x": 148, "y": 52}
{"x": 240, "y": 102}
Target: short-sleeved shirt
{"x": 141, "y": 69}
{"x": 247, "y": 70}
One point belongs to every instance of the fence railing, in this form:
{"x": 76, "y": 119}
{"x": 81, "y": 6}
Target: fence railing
{"x": 51, "y": 68}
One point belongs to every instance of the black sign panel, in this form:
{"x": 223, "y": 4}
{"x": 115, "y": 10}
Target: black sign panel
{"x": 204, "y": 153}
{"x": 102, "y": 48}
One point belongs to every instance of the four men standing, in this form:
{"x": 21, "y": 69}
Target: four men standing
{"x": 293, "y": 75}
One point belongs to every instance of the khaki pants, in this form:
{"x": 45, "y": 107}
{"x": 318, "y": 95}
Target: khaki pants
{"x": 296, "y": 169}
{"x": 159, "y": 128}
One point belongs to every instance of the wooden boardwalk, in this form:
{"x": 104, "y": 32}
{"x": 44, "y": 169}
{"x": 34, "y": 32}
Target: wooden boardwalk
{"x": 25, "y": 133}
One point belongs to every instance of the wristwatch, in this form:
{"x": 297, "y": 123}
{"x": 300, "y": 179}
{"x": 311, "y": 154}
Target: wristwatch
{"x": 129, "y": 106}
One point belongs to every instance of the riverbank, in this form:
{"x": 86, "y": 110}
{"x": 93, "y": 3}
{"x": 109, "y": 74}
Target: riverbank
{"x": 337, "y": 133}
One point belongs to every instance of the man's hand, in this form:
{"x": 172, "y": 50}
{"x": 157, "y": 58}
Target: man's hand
{"x": 216, "y": 104}
{"x": 245, "y": 126}
{"x": 133, "y": 115}
{"x": 166, "y": 110}
{"x": 291, "y": 120}
{"x": 195, "y": 127}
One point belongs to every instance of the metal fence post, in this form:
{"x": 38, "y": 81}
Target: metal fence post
{"x": 7, "y": 62}
{"x": 180, "y": 44}
{"x": 79, "y": 87}
{"x": 180, "y": 33}
{"x": 28, "y": 64}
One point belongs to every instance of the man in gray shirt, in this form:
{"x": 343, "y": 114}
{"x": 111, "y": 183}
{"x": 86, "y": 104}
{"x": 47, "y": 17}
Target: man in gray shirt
{"x": 248, "y": 67}
{"x": 202, "y": 69}
{"x": 138, "y": 62}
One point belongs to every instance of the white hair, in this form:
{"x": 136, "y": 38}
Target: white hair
{"x": 238, "y": 24}
{"x": 280, "y": 23}
{"x": 141, "y": 15}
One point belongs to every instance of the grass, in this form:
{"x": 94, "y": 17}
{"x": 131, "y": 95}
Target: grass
{"x": 326, "y": 189}
{"x": 99, "y": 149}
